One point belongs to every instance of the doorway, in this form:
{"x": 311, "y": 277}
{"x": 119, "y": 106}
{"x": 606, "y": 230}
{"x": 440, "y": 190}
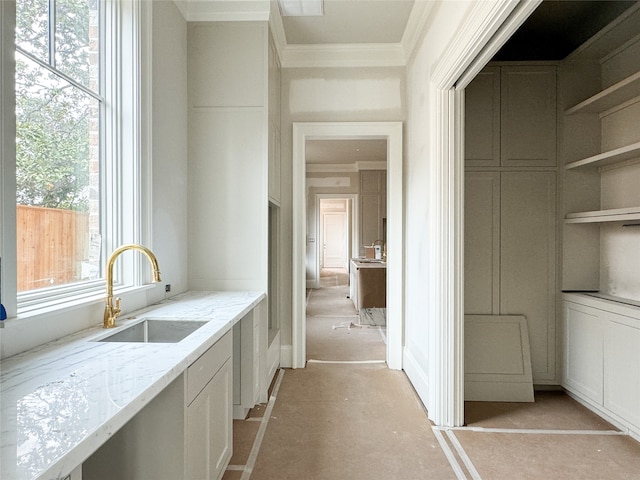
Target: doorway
{"x": 392, "y": 133}
{"x": 334, "y": 233}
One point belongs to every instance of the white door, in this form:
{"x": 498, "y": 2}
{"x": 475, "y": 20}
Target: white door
{"x": 334, "y": 228}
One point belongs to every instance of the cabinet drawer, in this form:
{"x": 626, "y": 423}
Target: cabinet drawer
{"x": 205, "y": 367}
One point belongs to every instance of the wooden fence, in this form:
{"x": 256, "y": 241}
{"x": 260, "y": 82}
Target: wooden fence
{"x": 51, "y": 243}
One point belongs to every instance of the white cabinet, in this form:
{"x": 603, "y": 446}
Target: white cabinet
{"x": 583, "y": 356}
{"x": 209, "y": 434}
{"x": 185, "y": 432}
{"x": 602, "y": 358}
{"x": 622, "y": 367}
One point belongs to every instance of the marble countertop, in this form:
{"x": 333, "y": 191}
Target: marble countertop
{"x": 60, "y": 402}
{"x": 368, "y": 263}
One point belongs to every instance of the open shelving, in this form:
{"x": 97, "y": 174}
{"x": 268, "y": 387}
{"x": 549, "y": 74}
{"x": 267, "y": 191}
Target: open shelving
{"x": 607, "y": 158}
{"x": 602, "y": 216}
{"x": 613, "y": 96}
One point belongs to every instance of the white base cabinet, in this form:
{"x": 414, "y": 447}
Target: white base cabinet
{"x": 185, "y": 432}
{"x": 602, "y": 358}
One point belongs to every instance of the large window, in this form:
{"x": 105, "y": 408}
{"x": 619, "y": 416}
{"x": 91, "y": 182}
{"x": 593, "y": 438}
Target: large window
{"x": 76, "y": 143}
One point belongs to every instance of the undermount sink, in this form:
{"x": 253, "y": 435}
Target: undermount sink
{"x": 155, "y": 331}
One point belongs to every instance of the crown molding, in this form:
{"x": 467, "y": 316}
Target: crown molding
{"x": 413, "y": 32}
{"x": 224, "y": 10}
{"x": 277, "y": 29}
{"x": 343, "y": 55}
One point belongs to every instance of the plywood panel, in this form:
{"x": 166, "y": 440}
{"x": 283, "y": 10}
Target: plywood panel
{"x": 497, "y": 359}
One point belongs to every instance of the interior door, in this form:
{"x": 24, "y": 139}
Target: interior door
{"x": 334, "y": 228}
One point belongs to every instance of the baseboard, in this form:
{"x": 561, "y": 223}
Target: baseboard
{"x": 286, "y": 356}
{"x": 417, "y": 376}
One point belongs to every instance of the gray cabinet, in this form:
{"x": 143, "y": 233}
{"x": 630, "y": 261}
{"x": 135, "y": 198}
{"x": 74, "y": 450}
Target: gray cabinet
{"x": 510, "y": 118}
{"x": 373, "y": 205}
{"x": 510, "y": 255}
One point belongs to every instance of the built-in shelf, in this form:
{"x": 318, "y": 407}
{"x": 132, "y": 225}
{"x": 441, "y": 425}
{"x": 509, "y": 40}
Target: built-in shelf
{"x": 601, "y": 216}
{"x": 607, "y": 158}
{"x": 614, "y": 95}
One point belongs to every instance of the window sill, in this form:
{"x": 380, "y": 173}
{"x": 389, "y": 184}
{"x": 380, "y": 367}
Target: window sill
{"x": 71, "y": 302}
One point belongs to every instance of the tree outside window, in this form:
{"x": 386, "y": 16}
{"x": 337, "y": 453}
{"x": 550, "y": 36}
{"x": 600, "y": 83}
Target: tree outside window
{"x": 58, "y": 142}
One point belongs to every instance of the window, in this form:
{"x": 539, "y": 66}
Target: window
{"x": 77, "y": 144}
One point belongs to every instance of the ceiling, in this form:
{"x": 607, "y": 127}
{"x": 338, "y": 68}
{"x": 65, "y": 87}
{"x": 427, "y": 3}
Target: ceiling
{"x": 351, "y": 21}
{"x": 555, "y": 29}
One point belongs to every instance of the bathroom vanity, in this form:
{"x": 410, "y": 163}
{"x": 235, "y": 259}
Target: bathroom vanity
{"x": 128, "y": 406}
{"x": 368, "y": 283}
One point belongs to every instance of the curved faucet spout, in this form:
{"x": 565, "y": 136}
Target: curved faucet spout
{"x": 112, "y": 312}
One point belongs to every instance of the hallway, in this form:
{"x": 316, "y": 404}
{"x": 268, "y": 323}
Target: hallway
{"x": 347, "y": 416}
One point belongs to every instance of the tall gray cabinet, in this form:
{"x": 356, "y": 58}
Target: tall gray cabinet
{"x": 510, "y": 203}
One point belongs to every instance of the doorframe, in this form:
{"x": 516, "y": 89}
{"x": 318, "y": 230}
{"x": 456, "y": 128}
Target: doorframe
{"x": 392, "y": 132}
{"x": 489, "y": 25}
{"x": 352, "y": 227}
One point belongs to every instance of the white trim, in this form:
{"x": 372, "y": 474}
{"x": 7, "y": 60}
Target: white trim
{"x": 7, "y": 160}
{"x": 418, "y": 377}
{"x": 392, "y": 131}
{"x": 488, "y": 26}
{"x": 224, "y": 10}
{"x": 416, "y": 26}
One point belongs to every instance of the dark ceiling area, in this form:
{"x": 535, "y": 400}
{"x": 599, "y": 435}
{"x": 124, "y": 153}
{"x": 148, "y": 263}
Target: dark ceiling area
{"x": 557, "y": 27}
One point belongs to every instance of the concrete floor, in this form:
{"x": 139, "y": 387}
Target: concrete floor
{"x": 340, "y": 419}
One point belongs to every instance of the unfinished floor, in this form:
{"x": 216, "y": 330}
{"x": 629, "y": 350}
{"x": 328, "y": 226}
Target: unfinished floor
{"x": 347, "y": 416}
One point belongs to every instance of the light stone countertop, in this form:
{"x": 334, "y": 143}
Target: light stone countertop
{"x": 368, "y": 263}
{"x": 60, "y": 402}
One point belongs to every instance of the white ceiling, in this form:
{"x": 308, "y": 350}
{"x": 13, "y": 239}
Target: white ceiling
{"x": 365, "y": 154}
{"x": 351, "y": 21}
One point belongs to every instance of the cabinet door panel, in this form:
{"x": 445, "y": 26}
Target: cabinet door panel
{"x": 621, "y": 367}
{"x": 482, "y": 119}
{"x": 528, "y": 260}
{"x": 482, "y": 243}
{"x": 209, "y": 428}
{"x": 583, "y": 351}
{"x": 528, "y": 116}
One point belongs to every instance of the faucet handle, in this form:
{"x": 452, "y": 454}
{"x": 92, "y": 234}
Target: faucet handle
{"x": 116, "y": 310}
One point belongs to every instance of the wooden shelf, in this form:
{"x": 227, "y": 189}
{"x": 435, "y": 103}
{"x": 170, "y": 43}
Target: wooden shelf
{"x": 607, "y": 158}
{"x": 614, "y": 95}
{"x": 601, "y": 216}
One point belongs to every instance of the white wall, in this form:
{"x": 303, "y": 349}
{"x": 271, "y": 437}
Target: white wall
{"x": 168, "y": 184}
{"x": 330, "y": 95}
{"x": 170, "y": 143}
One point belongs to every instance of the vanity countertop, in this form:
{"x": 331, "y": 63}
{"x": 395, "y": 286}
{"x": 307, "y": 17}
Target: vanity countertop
{"x": 60, "y": 402}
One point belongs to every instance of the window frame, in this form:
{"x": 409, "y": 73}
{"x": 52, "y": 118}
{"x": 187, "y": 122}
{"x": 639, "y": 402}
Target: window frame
{"x": 125, "y": 35}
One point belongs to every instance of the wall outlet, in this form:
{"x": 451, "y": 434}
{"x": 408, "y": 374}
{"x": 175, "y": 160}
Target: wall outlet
{"x": 167, "y": 287}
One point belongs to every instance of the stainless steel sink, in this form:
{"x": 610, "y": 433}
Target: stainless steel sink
{"x": 155, "y": 331}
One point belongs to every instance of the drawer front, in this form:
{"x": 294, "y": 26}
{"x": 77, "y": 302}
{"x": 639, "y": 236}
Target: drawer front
{"x": 205, "y": 367}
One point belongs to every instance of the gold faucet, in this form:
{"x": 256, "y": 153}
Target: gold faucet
{"x": 112, "y": 312}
